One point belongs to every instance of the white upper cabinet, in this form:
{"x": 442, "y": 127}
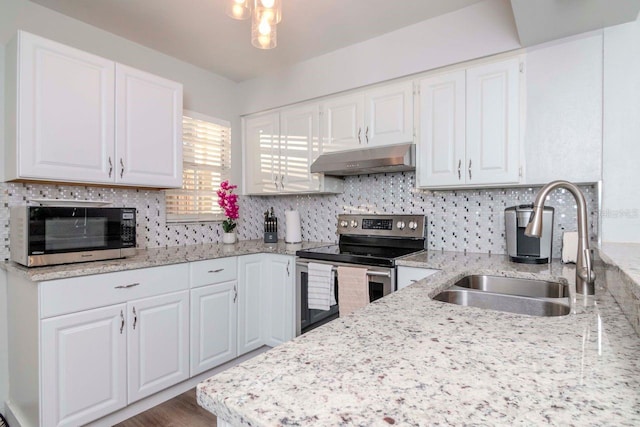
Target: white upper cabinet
{"x": 64, "y": 126}
{"x": 299, "y": 147}
{"x": 493, "y": 123}
{"x": 378, "y": 116}
{"x": 75, "y": 117}
{"x": 279, "y": 148}
{"x": 469, "y": 126}
{"x": 442, "y": 135}
{"x": 342, "y": 123}
{"x": 262, "y": 154}
{"x": 389, "y": 114}
{"x": 148, "y": 129}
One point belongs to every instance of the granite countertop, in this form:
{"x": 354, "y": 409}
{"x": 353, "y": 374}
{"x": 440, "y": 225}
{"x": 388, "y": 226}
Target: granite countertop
{"x": 409, "y": 360}
{"x": 156, "y": 257}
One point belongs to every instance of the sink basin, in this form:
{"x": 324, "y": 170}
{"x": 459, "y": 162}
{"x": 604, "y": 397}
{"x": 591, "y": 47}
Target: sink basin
{"x": 500, "y": 302}
{"x": 514, "y": 295}
{"x": 515, "y": 286}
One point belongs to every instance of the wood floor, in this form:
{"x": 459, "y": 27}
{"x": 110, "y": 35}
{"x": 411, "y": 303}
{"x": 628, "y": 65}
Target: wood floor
{"x": 181, "y": 411}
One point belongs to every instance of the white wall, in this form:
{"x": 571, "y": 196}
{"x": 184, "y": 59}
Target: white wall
{"x": 564, "y": 110}
{"x": 480, "y": 30}
{"x": 621, "y": 168}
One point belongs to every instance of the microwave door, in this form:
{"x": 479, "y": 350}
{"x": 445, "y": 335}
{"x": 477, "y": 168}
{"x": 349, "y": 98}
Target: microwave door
{"x": 76, "y": 233}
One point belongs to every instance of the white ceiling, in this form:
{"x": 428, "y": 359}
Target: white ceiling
{"x": 199, "y": 32}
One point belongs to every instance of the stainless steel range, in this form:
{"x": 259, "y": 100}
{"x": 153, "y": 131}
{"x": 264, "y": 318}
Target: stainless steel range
{"x": 374, "y": 241}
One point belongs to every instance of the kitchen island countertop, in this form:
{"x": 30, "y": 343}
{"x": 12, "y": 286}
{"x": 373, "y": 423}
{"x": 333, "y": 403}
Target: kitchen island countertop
{"x": 409, "y": 360}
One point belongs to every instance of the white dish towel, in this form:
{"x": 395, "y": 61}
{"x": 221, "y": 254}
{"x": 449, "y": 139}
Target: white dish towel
{"x": 320, "y": 289}
{"x": 353, "y": 289}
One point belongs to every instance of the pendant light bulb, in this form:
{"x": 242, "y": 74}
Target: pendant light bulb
{"x": 239, "y": 9}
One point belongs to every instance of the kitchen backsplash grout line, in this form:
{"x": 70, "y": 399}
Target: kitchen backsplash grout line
{"x": 457, "y": 220}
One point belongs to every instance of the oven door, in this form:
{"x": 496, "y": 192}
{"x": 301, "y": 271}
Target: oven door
{"x": 381, "y": 283}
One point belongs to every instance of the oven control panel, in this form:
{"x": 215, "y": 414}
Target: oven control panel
{"x": 382, "y": 225}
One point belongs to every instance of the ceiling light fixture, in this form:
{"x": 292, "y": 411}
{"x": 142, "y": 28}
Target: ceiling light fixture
{"x": 265, "y": 16}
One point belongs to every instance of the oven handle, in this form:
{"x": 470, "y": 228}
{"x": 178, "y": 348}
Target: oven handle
{"x": 369, "y": 273}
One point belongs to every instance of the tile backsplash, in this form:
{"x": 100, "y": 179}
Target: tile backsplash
{"x": 457, "y": 220}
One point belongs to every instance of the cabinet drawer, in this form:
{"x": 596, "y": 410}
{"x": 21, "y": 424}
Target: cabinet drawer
{"x": 213, "y": 271}
{"x": 82, "y": 293}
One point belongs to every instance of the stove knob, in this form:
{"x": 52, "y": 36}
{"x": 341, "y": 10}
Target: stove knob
{"x": 344, "y": 223}
{"x": 413, "y": 225}
{"x": 354, "y": 223}
{"x": 400, "y": 225}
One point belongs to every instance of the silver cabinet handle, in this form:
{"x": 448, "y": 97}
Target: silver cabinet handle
{"x": 122, "y": 166}
{"x": 459, "y": 168}
{"x": 121, "y": 321}
{"x": 469, "y": 169}
{"x": 235, "y": 293}
{"x": 127, "y": 286}
{"x": 366, "y": 134}
{"x": 135, "y": 318}
{"x": 359, "y": 132}
{"x": 288, "y": 263}
{"x": 275, "y": 182}
{"x": 216, "y": 271}
{"x": 282, "y": 181}
{"x": 110, "y": 166}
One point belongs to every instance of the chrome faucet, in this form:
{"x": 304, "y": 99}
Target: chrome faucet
{"x": 585, "y": 276}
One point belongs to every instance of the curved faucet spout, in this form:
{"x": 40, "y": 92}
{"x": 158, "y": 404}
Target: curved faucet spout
{"x": 585, "y": 276}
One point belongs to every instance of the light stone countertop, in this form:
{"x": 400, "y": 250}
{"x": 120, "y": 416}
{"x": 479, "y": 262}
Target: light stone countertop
{"x": 156, "y": 257}
{"x": 409, "y": 360}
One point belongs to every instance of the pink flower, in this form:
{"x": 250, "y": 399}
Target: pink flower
{"x": 229, "y": 204}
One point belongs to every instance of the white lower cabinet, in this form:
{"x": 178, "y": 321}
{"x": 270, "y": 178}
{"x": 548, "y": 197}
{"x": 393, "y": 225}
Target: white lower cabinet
{"x": 266, "y": 310}
{"x": 214, "y": 313}
{"x": 279, "y": 298}
{"x": 157, "y": 343}
{"x": 251, "y": 274}
{"x": 84, "y": 366}
{"x": 84, "y": 347}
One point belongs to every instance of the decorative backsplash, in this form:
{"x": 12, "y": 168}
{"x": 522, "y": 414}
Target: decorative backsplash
{"x": 471, "y": 220}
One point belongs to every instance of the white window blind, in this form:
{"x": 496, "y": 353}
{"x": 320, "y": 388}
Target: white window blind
{"x": 206, "y": 155}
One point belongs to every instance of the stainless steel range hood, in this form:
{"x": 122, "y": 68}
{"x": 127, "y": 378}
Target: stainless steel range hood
{"x": 390, "y": 158}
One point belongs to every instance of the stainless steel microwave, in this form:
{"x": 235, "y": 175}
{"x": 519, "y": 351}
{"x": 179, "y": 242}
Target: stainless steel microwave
{"x": 49, "y": 235}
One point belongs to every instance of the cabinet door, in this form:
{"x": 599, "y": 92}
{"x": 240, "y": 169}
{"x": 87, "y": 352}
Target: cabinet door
{"x": 279, "y": 297}
{"x": 299, "y": 147}
{"x": 389, "y": 114}
{"x": 213, "y": 325}
{"x": 157, "y": 343}
{"x": 342, "y": 123}
{"x": 493, "y": 123}
{"x": 441, "y": 147}
{"x": 148, "y": 129}
{"x": 262, "y": 154}
{"x": 84, "y": 371}
{"x": 251, "y": 276}
{"x": 65, "y": 113}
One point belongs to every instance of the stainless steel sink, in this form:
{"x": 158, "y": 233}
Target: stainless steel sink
{"x": 500, "y": 302}
{"x": 514, "y": 295}
{"x": 515, "y": 286}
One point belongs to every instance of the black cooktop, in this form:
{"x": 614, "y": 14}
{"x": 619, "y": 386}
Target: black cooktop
{"x": 381, "y": 256}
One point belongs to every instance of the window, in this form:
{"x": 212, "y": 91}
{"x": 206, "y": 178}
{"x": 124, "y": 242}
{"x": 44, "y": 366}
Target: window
{"x": 206, "y": 157}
